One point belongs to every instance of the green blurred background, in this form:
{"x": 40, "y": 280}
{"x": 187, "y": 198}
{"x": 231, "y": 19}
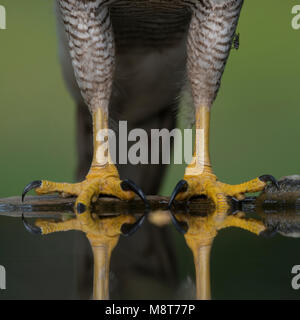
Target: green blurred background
{"x": 255, "y": 130}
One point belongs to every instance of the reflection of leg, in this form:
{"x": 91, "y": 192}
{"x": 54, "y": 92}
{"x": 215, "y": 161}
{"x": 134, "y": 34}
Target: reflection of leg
{"x": 103, "y": 236}
{"x": 199, "y": 239}
{"x": 102, "y": 254}
{"x": 201, "y": 255}
{"x": 199, "y": 236}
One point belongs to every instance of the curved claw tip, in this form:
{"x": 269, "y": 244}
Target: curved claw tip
{"x": 129, "y": 229}
{"x": 181, "y": 227}
{"x": 181, "y": 186}
{"x": 129, "y": 185}
{"x": 30, "y": 228}
{"x": 30, "y": 186}
{"x": 269, "y": 178}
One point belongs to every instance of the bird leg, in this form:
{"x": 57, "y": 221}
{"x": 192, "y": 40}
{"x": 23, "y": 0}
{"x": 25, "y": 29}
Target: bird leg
{"x": 209, "y": 42}
{"x": 103, "y": 178}
{"x": 103, "y": 238}
{"x": 199, "y": 178}
{"x": 91, "y": 44}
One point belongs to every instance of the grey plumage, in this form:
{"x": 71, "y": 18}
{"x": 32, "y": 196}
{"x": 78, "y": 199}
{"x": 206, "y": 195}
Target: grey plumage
{"x": 94, "y": 26}
{"x": 212, "y": 29}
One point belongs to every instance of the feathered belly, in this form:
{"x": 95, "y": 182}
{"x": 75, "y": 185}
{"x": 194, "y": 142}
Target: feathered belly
{"x": 149, "y": 23}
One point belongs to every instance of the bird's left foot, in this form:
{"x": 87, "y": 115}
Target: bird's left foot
{"x": 208, "y": 185}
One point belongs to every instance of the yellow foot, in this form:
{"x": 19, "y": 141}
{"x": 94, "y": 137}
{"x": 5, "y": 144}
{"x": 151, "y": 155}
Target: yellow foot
{"x": 207, "y": 184}
{"x": 99, "y": 181}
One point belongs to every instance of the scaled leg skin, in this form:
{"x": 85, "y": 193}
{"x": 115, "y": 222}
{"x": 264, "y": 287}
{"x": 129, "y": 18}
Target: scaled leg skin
{"x": 88, "y": 26}
{"x": 209, "y": 42}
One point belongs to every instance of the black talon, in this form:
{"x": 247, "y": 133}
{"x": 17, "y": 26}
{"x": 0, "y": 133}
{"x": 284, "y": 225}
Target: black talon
{"x": 30, "y": 228}
{"x": 127, "y": 185}
{"x": 180, "y": 226}
{"x": 129, "y": 229}
{"x": 181, "y": 186}
{"x": 30, "y": 186}
{"x": 269, "y": 178}
{"x": 81, "y": 208}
